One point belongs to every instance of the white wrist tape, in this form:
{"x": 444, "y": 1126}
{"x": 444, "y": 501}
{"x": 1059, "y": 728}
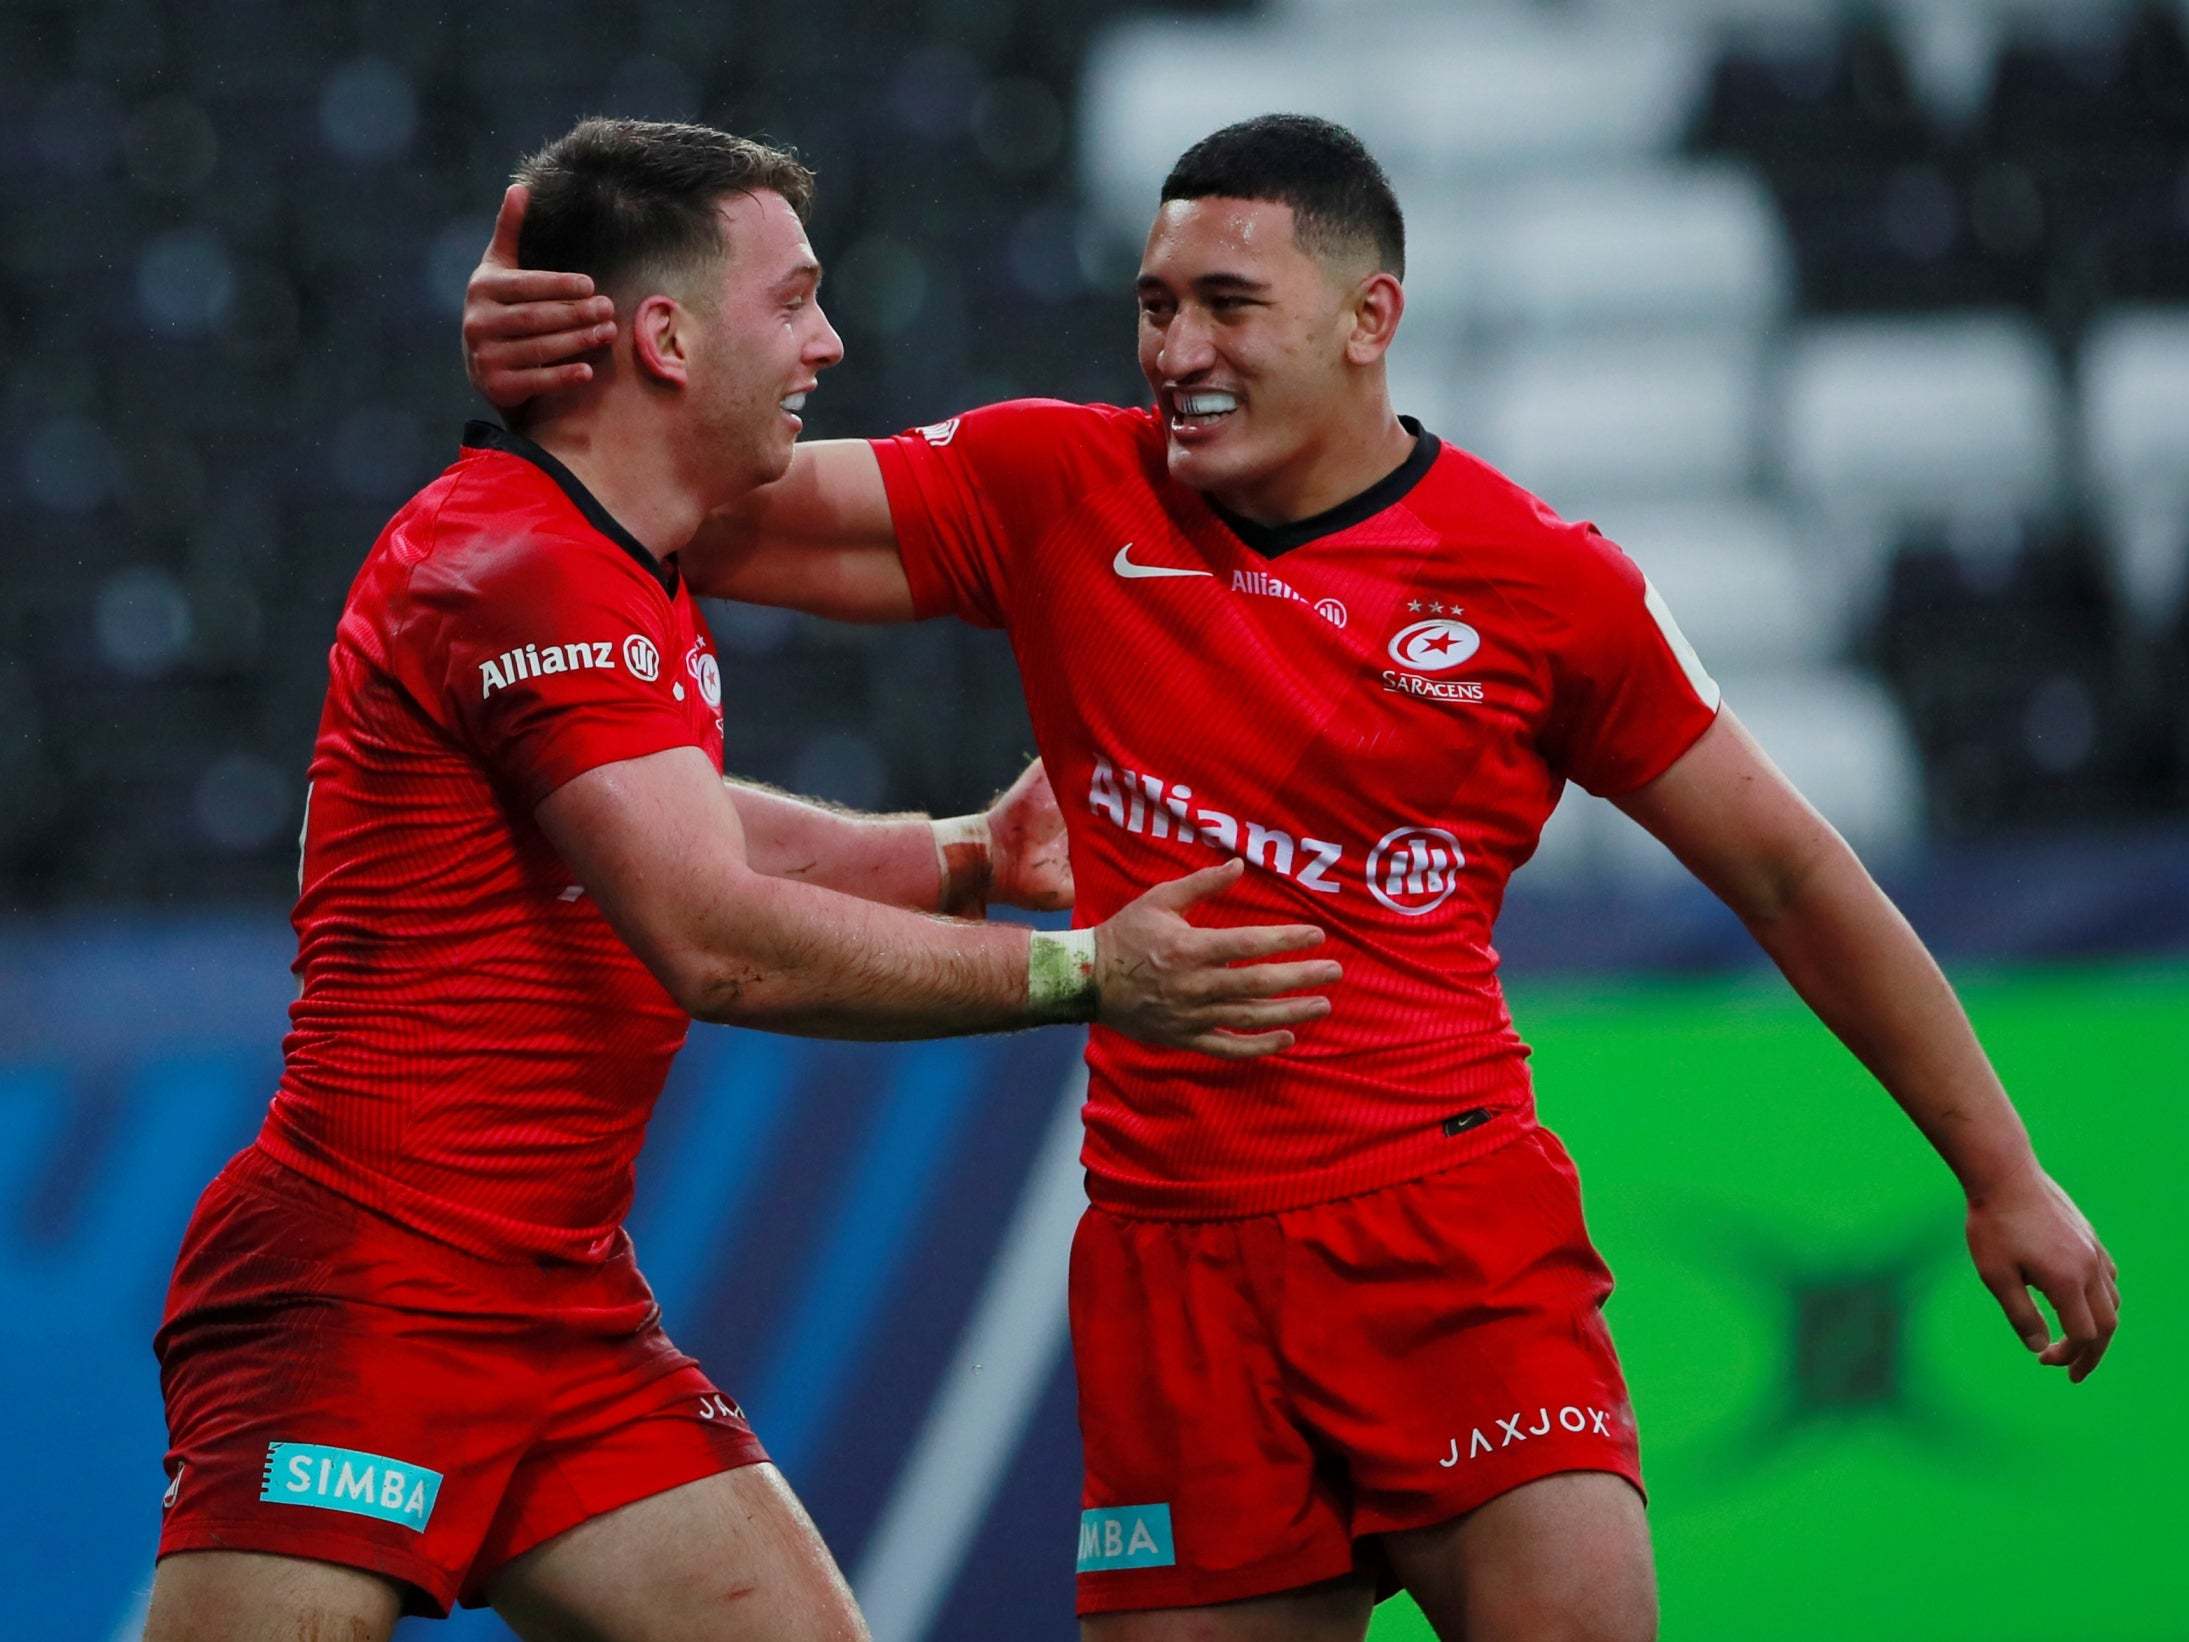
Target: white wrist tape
{"x": 962, "y": 864}
{"x": 1060, "y": 976}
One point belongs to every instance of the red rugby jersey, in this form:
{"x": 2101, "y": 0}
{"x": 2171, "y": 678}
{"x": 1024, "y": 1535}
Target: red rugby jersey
{"x": 1377, "y": 707}
{"x": 474, "y": 1051}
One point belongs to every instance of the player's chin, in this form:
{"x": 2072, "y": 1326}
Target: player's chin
{"x": 776, "y": 455}
{"x": 1204, "y": 466}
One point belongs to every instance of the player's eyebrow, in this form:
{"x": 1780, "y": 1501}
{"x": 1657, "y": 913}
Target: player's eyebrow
{"x": 806, "y": 274}
{"x": 1216, "y": 283}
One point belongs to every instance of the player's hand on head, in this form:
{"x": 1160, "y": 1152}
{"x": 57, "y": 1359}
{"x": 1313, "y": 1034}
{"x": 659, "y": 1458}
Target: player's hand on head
{"x": 2029, "y": 1234}
{"x": 1165, "y": 980}
{"x": 1030, "y": 864}
{"x": 525, "y": 328}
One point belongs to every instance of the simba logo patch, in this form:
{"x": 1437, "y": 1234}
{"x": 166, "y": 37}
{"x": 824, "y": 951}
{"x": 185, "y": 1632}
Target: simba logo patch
{"x": 342, "y": 1479}
{"x": 1125, "y": 1536}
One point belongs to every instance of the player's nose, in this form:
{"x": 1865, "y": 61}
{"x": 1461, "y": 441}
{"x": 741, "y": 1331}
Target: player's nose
{"x": 825, "y": 347}
{"x": 1188, "y": 346}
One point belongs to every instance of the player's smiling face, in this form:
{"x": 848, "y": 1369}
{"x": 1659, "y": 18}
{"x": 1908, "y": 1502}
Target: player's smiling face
{"x": 762, "y": 349}
{"x": 1244, "y": 338}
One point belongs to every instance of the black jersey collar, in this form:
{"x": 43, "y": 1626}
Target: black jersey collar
{"x": 1271, "y": 540}
{"x": 493, "y": 436}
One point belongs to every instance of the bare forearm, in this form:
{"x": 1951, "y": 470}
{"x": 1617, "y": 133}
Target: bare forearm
{"x": 810, "y": 960}
{"x": 1855, "y": 961}
{"x": 819, "y": 539}
{"x": 889, "y": 859}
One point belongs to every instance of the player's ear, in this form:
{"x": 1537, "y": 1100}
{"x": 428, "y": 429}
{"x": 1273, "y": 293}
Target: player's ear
{"x": 1377, "y": 303}
{"x": 661, "y": 339}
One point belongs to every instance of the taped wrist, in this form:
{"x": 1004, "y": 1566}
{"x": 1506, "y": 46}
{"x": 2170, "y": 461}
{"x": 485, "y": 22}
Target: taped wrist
{"x": 1060, "y": 976}
{"x": 963, "y": 863}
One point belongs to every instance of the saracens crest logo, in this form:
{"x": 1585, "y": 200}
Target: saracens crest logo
{"x": 1438, "y": 645}
{"x": 1434, "y": 646}
{"x": 706, "y": 673}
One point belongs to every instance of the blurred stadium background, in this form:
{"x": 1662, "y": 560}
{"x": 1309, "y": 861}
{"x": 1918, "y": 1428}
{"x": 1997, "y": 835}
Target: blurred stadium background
{"x": 1865, "y": 330}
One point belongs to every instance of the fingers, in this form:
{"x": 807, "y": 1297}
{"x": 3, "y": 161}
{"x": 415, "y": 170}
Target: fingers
{"x": 2077, "y": 1328}
{"x": 1256, "y": 941}
{"x": 2080, "y": 1343}
{"x": 509, "y": 373}
{"x": 1240, "y": 1046}
{"x": 2105, "y": 1312}
{"x": 499, "y": 315}
{"x": 1262, "y": 1013}
{"x": 529, "y": 353}
{"x": 1196, "y": 886}
{"x": 1267, "y": 980}
{"x": 2006, "y": 1287}
{"x": 501, "y": 249}
{"x": 515, "y": 387}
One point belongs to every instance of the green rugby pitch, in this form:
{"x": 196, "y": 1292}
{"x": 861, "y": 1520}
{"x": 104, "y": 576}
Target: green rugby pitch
{"x": 1841, "y": 1435}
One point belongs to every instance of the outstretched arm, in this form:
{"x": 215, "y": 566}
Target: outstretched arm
{"x": 818, "y": 539}
{"x": 657, "y": 843}
{"x": 1012, "y": 853}
{"x": 1736, "y": 822}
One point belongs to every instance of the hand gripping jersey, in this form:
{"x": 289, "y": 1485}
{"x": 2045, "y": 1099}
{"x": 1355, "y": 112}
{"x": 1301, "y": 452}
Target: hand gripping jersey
{"x": 1377, "y": 708}
{"x": 475, "y": 1052}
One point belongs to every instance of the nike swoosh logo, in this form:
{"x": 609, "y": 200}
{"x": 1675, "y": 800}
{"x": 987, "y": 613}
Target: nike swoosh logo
{"x": 1124, "y": 566}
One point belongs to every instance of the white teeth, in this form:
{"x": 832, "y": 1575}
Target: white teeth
{"x": 796, "y": 402}
{"x": 1205, "y": 402}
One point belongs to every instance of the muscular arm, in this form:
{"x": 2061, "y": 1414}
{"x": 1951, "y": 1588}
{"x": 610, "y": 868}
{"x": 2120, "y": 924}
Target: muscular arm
{"x": 1015, "y": 852}
{"x": 1738, "y": 824}
{"x": 890, "y": 859}
{"x": 1726, "y": 811}
{"x": 658, "y": 844}
{"x": 819, "y": 539}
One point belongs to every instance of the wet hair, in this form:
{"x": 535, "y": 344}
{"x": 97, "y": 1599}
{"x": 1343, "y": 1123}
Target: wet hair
{"x": 1341, "y": 201}
{"x": 620, "y": 199}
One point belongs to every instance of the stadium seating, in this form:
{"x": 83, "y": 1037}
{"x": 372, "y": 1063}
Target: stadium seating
{"x": 1774, "y": 291}
{"x": 1737, "y": 575}
{"x": 1637, "y": 414}
{"x": 1905, "y": 416}
{"x": 2135, "y": 451}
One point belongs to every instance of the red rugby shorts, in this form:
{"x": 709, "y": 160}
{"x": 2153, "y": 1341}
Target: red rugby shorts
{"x": 342, "y": 1389}
{"x": 1259, "y": 1396}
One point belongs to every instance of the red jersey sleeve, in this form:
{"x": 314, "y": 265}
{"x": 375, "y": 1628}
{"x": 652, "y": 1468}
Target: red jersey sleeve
{"x": 1629, "y": 695}
{"x": 546, "y": 657}
{"x": 970, "y": 496}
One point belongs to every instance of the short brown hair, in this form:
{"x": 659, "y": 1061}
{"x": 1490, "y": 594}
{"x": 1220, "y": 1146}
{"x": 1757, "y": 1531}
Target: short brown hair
{"x": 617, "y": 198}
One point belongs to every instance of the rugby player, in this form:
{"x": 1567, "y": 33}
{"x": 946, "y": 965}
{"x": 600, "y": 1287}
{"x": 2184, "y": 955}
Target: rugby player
{"x": 408, "y": 1359}
{"x": 1336, "y": 1318}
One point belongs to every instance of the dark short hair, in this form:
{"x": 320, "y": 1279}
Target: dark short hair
{"x": 1341, "y": 200}
{"x": 614, "y": 198}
